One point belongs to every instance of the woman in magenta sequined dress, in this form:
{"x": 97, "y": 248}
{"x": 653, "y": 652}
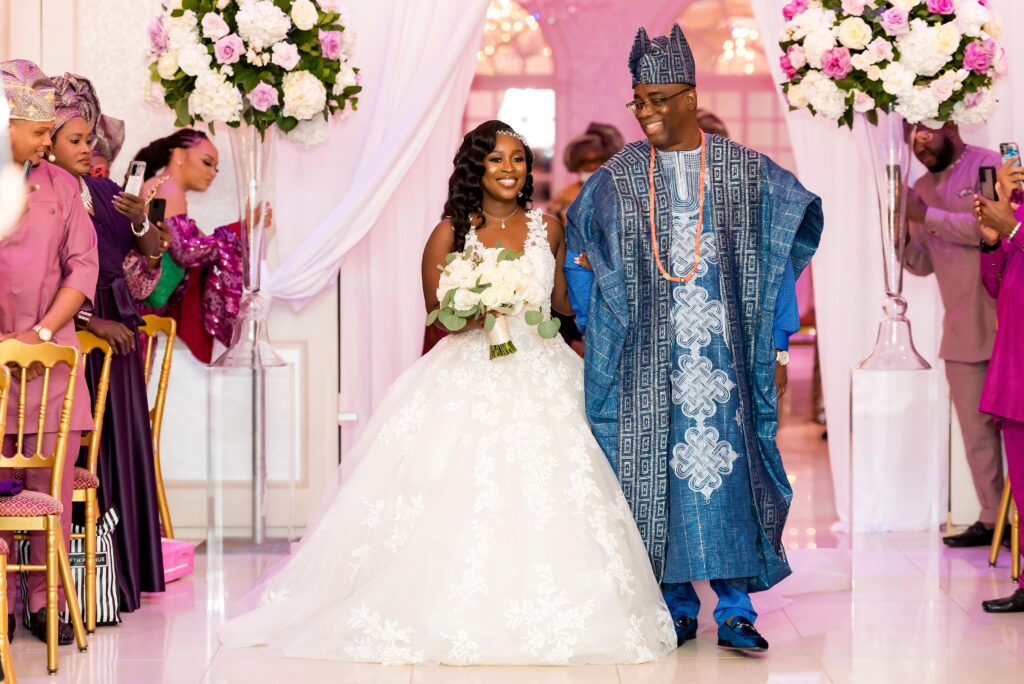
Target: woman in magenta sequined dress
{"x": 199, "y": 280}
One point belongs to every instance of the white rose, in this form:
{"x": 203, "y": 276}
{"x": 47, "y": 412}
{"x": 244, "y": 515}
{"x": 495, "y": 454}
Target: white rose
{"x": 304, "y": 15}
{"x": 874, "y": 72}
{"x": 214, "y": 99}
{"x": 309, "y": 133}
{"x": 942, "y": 88}
{"x": 862, "y": 102}
{"x": 223, "y": 4}
{"x": 172, "y": 4}
{"x": 905, "y": 4}
{"x": 855, "y": 33}
{"x": 971, "y": 16}
{"x": 465, "y": 299}
{"x": 261, "y": 24}
{"x": 949, "y": 38}
{"x": 214, "y": 26}
{"x": 167, "y": 65}
{"x": 195, "y": 59}
{"x": 993, "y": 29}
{"x": 796, "y": 96}
{"x": 491, "y": 298}
{"x": 304, "y": 95}
{"x": 346, "y": 77}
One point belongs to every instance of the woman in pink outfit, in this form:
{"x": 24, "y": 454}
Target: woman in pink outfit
{"x": 1002, "y": 270}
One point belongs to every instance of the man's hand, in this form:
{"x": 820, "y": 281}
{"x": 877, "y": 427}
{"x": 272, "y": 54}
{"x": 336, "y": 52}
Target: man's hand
{"x": 781, "y": 379}
{"x": 996, "y": 216}
{"x": 583, "y": 261}
{"x": 916, "y": 207}
{"x": 119, "y": 336}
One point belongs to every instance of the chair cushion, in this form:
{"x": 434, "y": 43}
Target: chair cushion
{"x": 85, "y": 480}
{"x": 29, "y": 505}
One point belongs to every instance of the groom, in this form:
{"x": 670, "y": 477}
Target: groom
{"x": 695, "y": 243}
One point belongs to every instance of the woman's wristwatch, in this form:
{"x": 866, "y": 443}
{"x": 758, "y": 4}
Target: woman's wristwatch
{"x": 781, "y": 357}
{"x": 45, "y": 334}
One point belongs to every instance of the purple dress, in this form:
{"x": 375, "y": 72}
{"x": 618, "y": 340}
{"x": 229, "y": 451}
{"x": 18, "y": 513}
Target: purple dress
{"x": 126, "y": 468}
{"x": 1002, "y": 272}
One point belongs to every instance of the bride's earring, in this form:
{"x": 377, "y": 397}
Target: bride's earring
{"x": 50, "y": 158}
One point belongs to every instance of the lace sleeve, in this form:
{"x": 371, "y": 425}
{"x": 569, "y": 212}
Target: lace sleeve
{"x": 141, "y": 279}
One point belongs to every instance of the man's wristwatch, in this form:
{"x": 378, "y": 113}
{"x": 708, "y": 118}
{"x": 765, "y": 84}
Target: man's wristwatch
{"x": 781, "y": 357}
{"x": 45, "y": 334}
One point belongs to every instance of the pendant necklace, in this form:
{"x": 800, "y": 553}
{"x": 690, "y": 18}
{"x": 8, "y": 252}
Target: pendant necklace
{"x": 495, "y": 218}
{"x": 700, "y": 217}
{"x": 86, "y": 195}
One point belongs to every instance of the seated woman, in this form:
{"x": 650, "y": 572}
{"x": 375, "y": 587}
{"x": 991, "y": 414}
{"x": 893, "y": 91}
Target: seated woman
{"x": 126, "y": 468}
{"x": 200, "y": 279}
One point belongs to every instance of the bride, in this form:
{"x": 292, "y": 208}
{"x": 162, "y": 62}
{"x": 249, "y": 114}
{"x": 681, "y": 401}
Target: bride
{"x": 482, "y": 524}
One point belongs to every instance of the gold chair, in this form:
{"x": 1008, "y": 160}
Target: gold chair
{"x": 5, "y": 645}
{"x": 87, "y": 480}
{"x": 33, "y": 511}
{"x": 1007, "y": 509}
{"x": 154, "y": 326}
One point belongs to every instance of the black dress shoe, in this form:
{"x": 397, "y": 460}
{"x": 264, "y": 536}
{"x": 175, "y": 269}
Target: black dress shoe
{"x": 686, "y": 630}
{"x": 65, "y": 635}
{"x": 1014, "y": 603}
{"x": 10, "y": 628}
{"x": 975, "y": 535}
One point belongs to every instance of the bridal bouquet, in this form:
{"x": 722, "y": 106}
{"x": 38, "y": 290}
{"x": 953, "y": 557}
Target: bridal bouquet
{"x": 492, "y": 284}
{"x": 931, "y": 60}
{"x": 265, "y": 62}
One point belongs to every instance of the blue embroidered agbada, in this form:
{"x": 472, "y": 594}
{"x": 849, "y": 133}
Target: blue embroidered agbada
{"x": 680, "y": 377}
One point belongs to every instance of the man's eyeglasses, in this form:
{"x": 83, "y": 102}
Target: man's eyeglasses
{"x": 655, "y": 102}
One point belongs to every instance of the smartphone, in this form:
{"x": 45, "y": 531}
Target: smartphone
{"x": 157, "y": 207}
{"x": 1010, "y": 151}
{"x": 987, "y": 183}
{"x": 26, "y": 170}
{"x": 136, "y": 174}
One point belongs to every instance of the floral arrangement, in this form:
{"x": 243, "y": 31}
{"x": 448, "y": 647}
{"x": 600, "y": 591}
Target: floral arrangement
{"x": 490, "y": 284}
{"x": 930, "y": 61}
{"x": 264, "y": 62}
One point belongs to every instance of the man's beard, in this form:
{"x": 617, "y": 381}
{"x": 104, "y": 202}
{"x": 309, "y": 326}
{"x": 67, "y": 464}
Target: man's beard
{"x": 944, "y": 159}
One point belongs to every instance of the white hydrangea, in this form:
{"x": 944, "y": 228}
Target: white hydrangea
{"x": 346, "y": 77}
{"x": 824, "y": 95}
{"x": 811, "y": 20}
{"x": 181, "y": 31}
{"x": 256, "y": 58}
{"x": 971, "y": 17}
{"x": 304, "y": 95}
{"x": 817, "y": 43}
{"x": 309, "y": 133}
{"x": 214, "y": 99}
{"x": 304, "y": 14}
{"x": 920, "y": 49}
{"x": 195, "y": 59}
{"x": 917, "y": 105}
{"x": 979, "y": 113}
{"x": 261, "y": 23}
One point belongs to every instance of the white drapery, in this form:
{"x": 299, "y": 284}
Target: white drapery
{"x": 372, "y": 193}
{"x": 848, "y": 265}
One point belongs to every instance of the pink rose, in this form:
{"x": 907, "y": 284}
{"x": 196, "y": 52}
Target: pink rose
{"x": 229, "y": 49}
{"x": 854, "y": 7}
{"x": 214, "y": 26}
{"x": 942, "y": 89}
{"x": 794, "y": 8}
{"x": 797, "y": 56}
{"x": 263, "y": 97}
{"x": 330, "y": 44}
{"x": 895, "y": 21}
{"x": 835, "y": 63}
{"x": 973, "y": 99}
{"x": 977, "y": 57}
{"x": 787, "y": 67}
{"x": 330, "y": 5}
{"x": 880, "y": 50}
{"x": 285, "y": 55}
{"x": 158, "y": 35}
{"x": 941, "y": 6}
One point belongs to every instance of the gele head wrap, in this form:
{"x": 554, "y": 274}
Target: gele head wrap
{"x": 28, "y": 91}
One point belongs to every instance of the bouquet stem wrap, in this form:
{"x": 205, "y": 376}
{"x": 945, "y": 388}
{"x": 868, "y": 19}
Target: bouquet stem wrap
{"x": 500, "y": 339}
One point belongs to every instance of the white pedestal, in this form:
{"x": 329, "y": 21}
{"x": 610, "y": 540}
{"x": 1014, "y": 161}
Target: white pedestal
{"x": 900, "y": 451}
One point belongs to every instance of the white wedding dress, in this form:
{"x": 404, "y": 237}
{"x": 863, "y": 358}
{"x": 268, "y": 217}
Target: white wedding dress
{"x": 482, "y": 524}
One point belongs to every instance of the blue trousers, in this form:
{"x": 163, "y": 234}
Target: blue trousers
{"x": 733, "y": 601}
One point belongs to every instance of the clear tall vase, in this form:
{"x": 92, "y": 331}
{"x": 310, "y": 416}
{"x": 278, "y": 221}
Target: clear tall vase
{"x": 254, "y": 177}
{"x": 891, "y": 145}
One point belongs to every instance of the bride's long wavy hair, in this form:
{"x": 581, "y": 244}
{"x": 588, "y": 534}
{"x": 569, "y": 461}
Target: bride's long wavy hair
{"x": 465, "y": 192}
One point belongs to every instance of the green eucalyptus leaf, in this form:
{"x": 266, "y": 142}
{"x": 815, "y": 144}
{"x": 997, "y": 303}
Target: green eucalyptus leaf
{"x": 549, "y": 328}
{"x": 432, "y": 317}
{"x": 489, "y": 322}
{"x": 534, "y": 317}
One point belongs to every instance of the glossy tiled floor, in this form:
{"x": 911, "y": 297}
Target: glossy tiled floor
{"x": 911, "y": 615}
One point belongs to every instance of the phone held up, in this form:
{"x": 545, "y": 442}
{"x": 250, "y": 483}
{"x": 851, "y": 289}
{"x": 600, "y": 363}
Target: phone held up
{"x": 136, "y": 174}
{"x": 987, "y": 183}
{"x": 157, "y": 207}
